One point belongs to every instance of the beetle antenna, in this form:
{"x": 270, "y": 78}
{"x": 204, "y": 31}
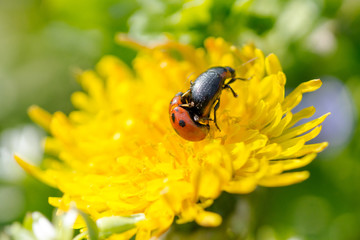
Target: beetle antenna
{"x": 188, "y": 77}
{"x": 249, "y": 61}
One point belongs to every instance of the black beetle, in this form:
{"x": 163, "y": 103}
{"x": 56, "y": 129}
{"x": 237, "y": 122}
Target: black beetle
{"x": 205, "y": 91}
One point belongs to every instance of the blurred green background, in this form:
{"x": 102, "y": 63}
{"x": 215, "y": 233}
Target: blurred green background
{"x": 42, "y": 44}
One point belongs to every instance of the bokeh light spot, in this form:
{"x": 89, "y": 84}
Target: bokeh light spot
{"x": 311, "y": 216}
{"x": 12, "y": 203}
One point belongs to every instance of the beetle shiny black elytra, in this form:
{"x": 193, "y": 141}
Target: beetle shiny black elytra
{"x": 190, "y": 111}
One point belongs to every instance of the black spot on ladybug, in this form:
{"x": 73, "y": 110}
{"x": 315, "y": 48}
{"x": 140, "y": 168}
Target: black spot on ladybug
{"x": 173, "y": 117}
{"x": 176, "y": 109}
{"x": 182, "y": 123}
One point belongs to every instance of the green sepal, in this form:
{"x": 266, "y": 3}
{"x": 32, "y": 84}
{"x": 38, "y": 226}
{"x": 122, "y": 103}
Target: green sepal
{"x": 92, "y": 229}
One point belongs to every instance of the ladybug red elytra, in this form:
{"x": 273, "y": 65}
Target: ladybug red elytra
{"x": 183, "y": 123}
{"x": 190, "y": 111}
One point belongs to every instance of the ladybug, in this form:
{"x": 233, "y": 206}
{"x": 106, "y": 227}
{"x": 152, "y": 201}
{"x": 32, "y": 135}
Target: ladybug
{"x": 182, "y": 121}
{"x": 190, "y": 111}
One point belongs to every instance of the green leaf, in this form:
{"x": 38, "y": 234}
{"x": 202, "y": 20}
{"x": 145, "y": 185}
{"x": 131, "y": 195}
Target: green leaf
{"x": 117, "y": 224}
{"x": 260, "y": 24}
{"x": 28, "y": 221}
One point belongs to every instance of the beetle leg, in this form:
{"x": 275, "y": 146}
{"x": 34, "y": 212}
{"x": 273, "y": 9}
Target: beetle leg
{"x": 230, "y": 81}
{"x": 232, "y": 90}
{"x": 227, "y": 85}
{"x": 237, "y": 78}
{"x": 217, "y": 105}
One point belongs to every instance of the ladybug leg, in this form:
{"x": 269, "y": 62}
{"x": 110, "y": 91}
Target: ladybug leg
{"x": 186, "y": 94}
{"x": 188, "y": 105}
{"x": 217, "y": 105}
{"x": 202, "y": 120}
{"x": 232, "y": 90}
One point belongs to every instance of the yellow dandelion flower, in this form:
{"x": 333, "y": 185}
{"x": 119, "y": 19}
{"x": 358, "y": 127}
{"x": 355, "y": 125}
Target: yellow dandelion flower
{"x": 117, "y": 154}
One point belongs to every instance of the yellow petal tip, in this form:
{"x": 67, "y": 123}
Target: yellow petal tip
{"x": 40, "y": 116}
{"x": 34, "y": 171}
{"x": 272, "y": 64}
{"x": 208, "y": 219}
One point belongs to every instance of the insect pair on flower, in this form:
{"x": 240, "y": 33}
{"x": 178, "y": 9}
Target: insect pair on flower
{"x": 190, "y": 111}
